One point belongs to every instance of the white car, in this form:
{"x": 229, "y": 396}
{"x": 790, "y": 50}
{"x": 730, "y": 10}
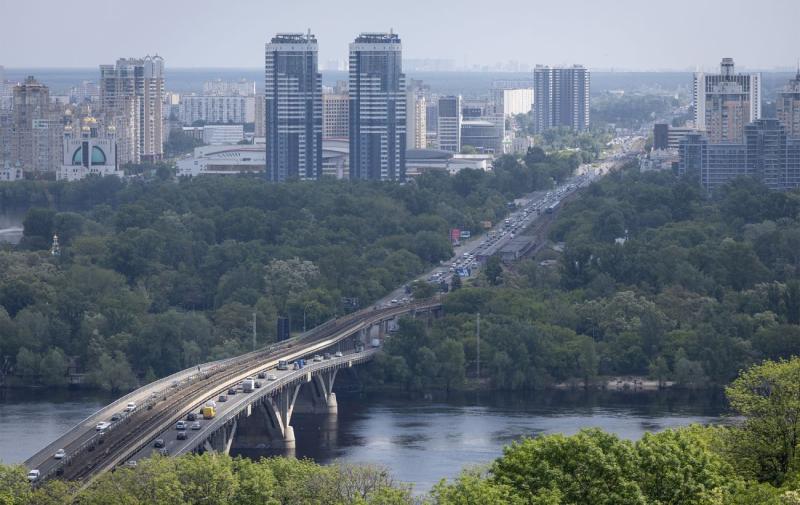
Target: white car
{"x": 60, "y": 454}
{"x": 338, "y": 354}
{"x": 33, "y": 475}
{"x": 102, "y": 426}
{"x": 271, "y": 377}
{"x": 130, "y": 407}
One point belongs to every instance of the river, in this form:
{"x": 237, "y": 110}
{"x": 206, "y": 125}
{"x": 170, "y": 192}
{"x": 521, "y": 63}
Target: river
{"x": 419, "y": 440}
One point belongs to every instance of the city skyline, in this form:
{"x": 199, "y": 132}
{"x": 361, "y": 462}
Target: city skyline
{"x": 628, "y": 36}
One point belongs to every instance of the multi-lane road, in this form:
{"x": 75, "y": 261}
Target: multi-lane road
{"x": 467, "y": 254}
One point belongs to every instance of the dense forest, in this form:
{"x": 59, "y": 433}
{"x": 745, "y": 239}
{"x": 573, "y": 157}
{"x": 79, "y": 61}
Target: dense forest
{"x": 751, "y": 462}
{"x": 154, "y": 275}
{"x": 654, "y": 279}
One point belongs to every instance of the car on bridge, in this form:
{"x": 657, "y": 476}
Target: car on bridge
{"x": 191, "y": 416}
{"x": 102, "y": 426}
{"x": 159, "y": 443}
{"x": 231, "y": 391}
{"x": 180, "y": 425}
{"x": 196, "y": 425}
{"x": 130, "y": 407}
{"x": 272, "y": 377}
{"x": 222, "y": 398}
{"x": 182, "y": 435}
{"x": 60, "y": 454}
{"x": 33, "y": 475}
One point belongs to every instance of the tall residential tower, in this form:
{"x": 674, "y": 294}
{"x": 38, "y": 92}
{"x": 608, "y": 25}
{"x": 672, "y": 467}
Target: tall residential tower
{"x": 725, "y": 103}
{"x": 131, "y": 97}
{"x": 377, "y": 108}
{"x": 561, "y": 97}
{"x": 293, "y": 107}
{"x": 449, "y": 138}
{"x": 788, "y": 107}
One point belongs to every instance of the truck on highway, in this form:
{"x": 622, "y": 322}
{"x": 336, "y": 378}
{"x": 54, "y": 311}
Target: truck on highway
{"x": 208, "y": 412}
{"x": 249, "y": 385}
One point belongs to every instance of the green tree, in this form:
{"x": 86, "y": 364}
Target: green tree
{"x": 589, "y": 467}
{"x": 53, "y": 368}
{"x": 768, "y": 397}
{"x": 113, "y": 373}
{"x": 493, "y": 270}
{"x": 472, "y": 488}
{"x": 27, "y": 363}
{"x": 677, "y": 469}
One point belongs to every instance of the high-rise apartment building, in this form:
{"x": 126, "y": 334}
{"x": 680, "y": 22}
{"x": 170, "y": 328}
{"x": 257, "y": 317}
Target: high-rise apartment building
{"x": 377, "y": 92}
{"x": 449, "y": 138}
{"x": 293, "y": 107}
{"x": 218, "y": 87}
{"x": 510, "y": 98}
{"x": 788, "y": 107}
{"x": 215, "y": 109}
{"x": 416, "y": 115}
{"x": 561, "y": 97}
{"x": 131, "y": 97}
{"x": 6, "y": 94}
{"x": 258, "y": 117}
{"x": 35, "y": 129}
{"x": 725, "y": 103}
{"x": 335, "y": 116}
{"x": 765, "y": 153}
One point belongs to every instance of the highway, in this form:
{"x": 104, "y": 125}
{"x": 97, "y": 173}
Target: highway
{"x": 466, "y": 254}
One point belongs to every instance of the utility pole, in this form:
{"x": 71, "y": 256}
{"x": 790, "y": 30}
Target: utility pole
{"x": 254, "y": 330}
{"x": 478, "y": 347}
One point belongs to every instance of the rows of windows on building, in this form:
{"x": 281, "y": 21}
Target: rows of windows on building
{"x": 393, "y": 126}
{"x": 92, "y": 130}
{"x": 375, "y": 125}
{"x": 728, "y": 137}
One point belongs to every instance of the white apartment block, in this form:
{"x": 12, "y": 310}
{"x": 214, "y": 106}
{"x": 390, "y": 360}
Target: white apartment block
{"x": 416, "y": 120}
{"x": 216, "y": 109}
{"x": 335, "y": 116}
{"x": 223, "y": 134}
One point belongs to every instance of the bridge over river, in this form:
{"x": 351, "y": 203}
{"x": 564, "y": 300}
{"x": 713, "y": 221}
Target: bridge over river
{"x": 262, "y": 417}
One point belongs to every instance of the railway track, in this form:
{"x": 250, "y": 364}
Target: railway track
{"x": 144, "y": 424}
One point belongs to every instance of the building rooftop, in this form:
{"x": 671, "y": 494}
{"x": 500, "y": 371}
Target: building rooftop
{"x": 379, "y": 38}
{"x": 293, "y": 38}
{"x": 428, "y": 154}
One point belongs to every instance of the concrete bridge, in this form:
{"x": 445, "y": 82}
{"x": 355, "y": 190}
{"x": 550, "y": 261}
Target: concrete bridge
{"x": 259, "y": 418}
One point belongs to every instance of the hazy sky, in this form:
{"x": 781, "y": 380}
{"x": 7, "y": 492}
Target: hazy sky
{"x": 631, "y": 34}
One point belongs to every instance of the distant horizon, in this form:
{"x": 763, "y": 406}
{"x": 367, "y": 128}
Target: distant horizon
{"x": 168, "y": 68}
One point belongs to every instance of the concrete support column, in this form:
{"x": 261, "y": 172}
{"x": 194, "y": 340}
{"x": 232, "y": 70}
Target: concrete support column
{"x": 229, "y": 437}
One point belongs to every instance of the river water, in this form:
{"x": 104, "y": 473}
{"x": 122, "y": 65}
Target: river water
{"x": 419, "y": 440}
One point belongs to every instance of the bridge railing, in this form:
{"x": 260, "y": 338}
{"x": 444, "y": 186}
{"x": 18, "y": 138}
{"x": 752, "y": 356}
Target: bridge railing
{"x": 174, "y": 382}
{"x": 273, "y": 388}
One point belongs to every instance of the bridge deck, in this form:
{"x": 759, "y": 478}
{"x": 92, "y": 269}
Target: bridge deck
{"x": 162, "y": 403}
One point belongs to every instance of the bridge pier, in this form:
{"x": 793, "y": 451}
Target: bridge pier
{"x": 318, "y": 396}
{"x": 222, "y": 439}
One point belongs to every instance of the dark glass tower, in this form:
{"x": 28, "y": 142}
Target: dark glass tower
{"x": 293, "y": 108}
{"x": 377, "y": 108}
